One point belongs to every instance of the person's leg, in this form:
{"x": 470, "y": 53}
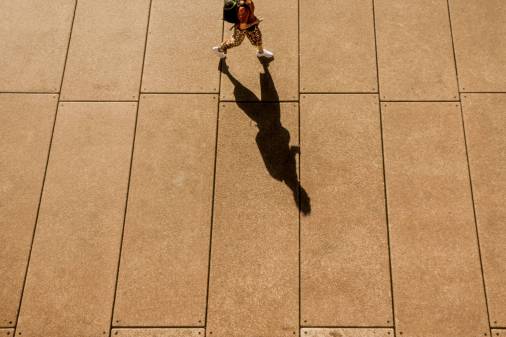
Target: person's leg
{"x": 234, "y": 41}
{"x": 255, "y": 37}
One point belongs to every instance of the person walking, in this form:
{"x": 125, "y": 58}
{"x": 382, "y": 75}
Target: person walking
{"x": 242, "y": 14}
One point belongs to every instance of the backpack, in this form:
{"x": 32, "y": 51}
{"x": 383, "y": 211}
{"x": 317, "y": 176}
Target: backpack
{"x": 230, "y": 11}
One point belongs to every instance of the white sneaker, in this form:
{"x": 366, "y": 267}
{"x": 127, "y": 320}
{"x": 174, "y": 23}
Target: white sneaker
{"x": 266, "y": 53}
{"x": 217, "y": 51}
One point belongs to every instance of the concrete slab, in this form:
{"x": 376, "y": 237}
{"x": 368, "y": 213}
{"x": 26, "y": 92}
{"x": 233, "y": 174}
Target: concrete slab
{"x": 499, "y": 332}
{"x": 254, "y": 269}
{"x": 435, "y": 263}
{"x": 164, "y": 268}
{"x": 345, "y": 278}
{"x": 280, "y": 35}
{"x": 6, "y": 332}
{"x": 72, "y": 275}
{"x": 478, "y": 32}
{"x": 34, "y": 35}
{"x": 346, "y": 60}
{"x": 26, "y": 123}
{"x": 174, "y": 332}
{"x": 415, "y": 53}
{"x": 106, "y": 50}
{"x": 346, "y": 332}
{"x": 178, "y": 54}
{"x": 485, "y": 122}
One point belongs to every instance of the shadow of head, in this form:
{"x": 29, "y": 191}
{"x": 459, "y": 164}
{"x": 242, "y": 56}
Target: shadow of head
{"x": 272, "y": 139}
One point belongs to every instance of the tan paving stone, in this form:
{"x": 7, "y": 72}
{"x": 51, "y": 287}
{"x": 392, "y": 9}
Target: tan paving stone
{"x": 106, "y": 50}
{"x": 254, "y": 269}
{"x": 415, "y": 52}
{"x": 178, "y": 55}
{"x": 170, "y": 332}
{"x": 337, "y": 51}
{"x": 346, "y": 332}
{"x": 485, "y": 121}
{"x": 164, "y": 268}
{"x": 279, "y": 30}
{"x": 479, "y": 28}
{"x": 6, "y": 332}
{"x": 71, "y": 279}
{"x": 437, "y": 283}
{"x": 344, "y": 249}
{"x": 26, "y": 123}
{"x": 34, "y": 37}
{"x": 499, "y": 332}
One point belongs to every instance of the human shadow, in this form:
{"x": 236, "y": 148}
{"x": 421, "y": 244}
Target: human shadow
{"x": 273, "y": 140}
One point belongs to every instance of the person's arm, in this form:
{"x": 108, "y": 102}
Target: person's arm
{"x": 243, "y": 15}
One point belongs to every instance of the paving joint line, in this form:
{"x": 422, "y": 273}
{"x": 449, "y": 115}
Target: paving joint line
{"x": 99, "y": 101}
{"x": 28, "y": 93}
{"x": 299, "y": 187}
{"x": 475, "y": 218}
{"x": 180, "y": 93}
{"x": 134, "y": 327}
{"x": 259, "y": 102}
{"x": 68, "y": 49}
{"x": 212, "y": 210}
{"x": 339, "y": 93}
{"x": 213, "y": 196}
{"x": 15, "y": 327}
{"x": 482, "y": 92}
{"x": 347, "y": 327}
{"x": 419, "y": 101}
{"x": 118, "y": 265}
{"x": 469, "y": 170}
{"x": 387, "y": 220}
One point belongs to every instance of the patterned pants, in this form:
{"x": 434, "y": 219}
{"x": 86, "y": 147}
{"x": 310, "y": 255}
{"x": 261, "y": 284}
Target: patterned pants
{"x": 253, "y": 34}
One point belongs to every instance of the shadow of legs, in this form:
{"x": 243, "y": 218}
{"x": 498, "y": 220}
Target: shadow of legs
{"x": 273, "y": 140}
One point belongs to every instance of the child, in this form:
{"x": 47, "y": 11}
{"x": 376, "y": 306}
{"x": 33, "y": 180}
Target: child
{"x": 246, "y": 24}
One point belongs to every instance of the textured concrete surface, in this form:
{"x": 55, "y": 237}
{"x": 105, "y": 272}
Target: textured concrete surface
{"x": 72, "y": 274}
{"x": 485, "y": 120}
{"x": 415, "y": 54}
{"x": 166, "y": 244}
{"x": 479, "y": 28}
{"x": 352, "y": 187}
{"x": 346, "y": 62}
{"x": 255, "y": 248}
{"x": 6, "y": 332}
{"x": 499, "y": 332}
{"x": 346, "y": 332}
{"x": 106, "y": 51}
{"x": 26, "y": 123}
{"x": 344, "y": 262}
{"x": 178, "y": 56}
{"x": 435, "y": 257}
{"x": 153, "y": 332}
{"x": 34, "y": 37}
